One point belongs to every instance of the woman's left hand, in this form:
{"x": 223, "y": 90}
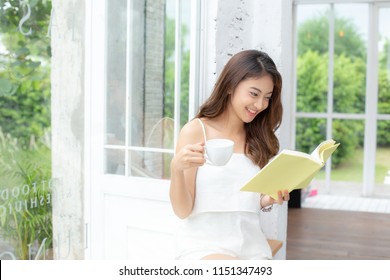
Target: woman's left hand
{"x": 268, "y": 200}
{"x": 282, "y": 196}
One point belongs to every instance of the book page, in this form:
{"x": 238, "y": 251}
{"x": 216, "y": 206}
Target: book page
{"x": 327, "y": 152}
{"x": 319, "y": 150}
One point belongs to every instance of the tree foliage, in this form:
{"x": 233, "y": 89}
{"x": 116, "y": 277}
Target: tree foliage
{"x": 313, "y": 35}
{"x": 25, "y": 116}
{"x": 25, "y": 68}
{"x": 349, "y": 86}
{"x": 312, "y": 82}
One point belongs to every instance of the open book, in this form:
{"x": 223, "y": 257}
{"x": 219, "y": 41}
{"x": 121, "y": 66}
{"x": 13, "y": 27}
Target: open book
{"x": 290, "y": 170}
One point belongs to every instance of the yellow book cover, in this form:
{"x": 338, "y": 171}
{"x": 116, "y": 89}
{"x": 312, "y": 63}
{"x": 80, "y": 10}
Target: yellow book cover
{"x": 290, "y": 170}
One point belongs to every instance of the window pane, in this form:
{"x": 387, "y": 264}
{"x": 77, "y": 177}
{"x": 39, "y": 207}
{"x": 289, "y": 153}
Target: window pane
{"x": 152, "y": 95}
{"x": 135, "y": 55}
{"x": 140, "y": 83}
{"x": 382, "y": 167}
{"x": 150, "y": 164}
{"x": 312, "y": 60}
{"x": 161, "y": 135}
{"x": 26, "y": 230}
{"x": 151, "y": 75}
{"x": 136, "y": 73}
{"x": 170, "y": 59}
{"x": 382, "y": 170}
{"x": 384, "y": 62}
{"x": 185, "y": 61}
{"x": 350, "y": 48}
{"x": 115, "y": 161}
{"x": 347, "y": 161}
{"x": 116, "y": 73}
{"x": 309, "y": 133}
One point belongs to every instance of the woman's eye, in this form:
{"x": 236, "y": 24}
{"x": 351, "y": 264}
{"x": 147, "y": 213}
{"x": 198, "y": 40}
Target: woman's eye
{"x": 253, "y": 93}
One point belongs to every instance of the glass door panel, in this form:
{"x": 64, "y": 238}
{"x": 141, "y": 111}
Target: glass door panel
{"x": 350, "y": 56}
{"x": 334, "y": 90}
{"x": 382, "y": 166}
{"x": 26, "y": 230}
{"x": 347, "y": 163}
{"x": 312, "y": 60}
{"x": 143, "y": 45}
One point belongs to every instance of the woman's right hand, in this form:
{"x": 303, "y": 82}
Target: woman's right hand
{"x": 191, "y": 155}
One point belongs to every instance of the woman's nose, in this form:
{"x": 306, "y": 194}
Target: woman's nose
{"x": 260, "y": 103}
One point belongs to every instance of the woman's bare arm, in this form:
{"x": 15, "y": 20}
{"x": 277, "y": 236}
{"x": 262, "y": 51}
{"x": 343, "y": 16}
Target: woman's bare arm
{"x": 188, "y": 157}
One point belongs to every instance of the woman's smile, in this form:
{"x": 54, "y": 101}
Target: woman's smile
{"x": 252, "y": 112}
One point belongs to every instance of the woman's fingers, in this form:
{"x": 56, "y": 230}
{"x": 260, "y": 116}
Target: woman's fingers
{"x": 280, "y": 197}
{"x": 191, "y": 155}
{"x": 194, "y": 152}
{"x": 196, "y": 148}
{"x": 283, "y": 196}
{"x": 286, "y": 195}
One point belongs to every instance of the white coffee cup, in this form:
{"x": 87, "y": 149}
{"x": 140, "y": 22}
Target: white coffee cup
{"x": 218, "y": 151}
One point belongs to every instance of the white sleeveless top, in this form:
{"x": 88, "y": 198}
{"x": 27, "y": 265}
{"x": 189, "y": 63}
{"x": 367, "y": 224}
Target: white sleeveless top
{"x": 218, "y": 187}
{"x": 224, "y": 219}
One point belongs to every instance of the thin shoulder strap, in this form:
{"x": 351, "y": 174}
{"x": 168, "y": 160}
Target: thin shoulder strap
{"x": 204, "y": 130}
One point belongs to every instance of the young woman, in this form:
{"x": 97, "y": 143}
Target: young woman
{"x": 220, "y": 221}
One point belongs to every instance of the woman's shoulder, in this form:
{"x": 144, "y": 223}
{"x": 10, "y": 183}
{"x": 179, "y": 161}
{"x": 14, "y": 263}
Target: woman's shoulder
{"x": 192, "y": 131}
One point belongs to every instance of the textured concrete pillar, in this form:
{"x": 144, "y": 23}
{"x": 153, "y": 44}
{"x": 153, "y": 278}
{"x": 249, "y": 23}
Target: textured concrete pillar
{"x": 67, "y": 78}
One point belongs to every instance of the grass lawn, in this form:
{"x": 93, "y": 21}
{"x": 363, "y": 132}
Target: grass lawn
{"x": 352, "y": 171}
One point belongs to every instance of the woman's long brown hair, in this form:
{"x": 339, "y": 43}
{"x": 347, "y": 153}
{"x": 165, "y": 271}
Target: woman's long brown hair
{"x": 261, "y": 143}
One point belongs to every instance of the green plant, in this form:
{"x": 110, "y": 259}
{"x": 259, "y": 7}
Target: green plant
{"x": 25, "y": 69}
{"x": 25, "y": 166}
{"x": 349, "y": 86}
{"x": 26, "y": 209}
{"x": 313, "y": 35}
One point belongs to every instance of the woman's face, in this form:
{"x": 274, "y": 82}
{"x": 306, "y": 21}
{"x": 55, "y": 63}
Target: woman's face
{"x": 251, "y": 96}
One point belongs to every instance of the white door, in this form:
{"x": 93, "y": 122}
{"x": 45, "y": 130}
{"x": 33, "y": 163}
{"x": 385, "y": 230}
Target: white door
{"x": 136, "y": 110}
